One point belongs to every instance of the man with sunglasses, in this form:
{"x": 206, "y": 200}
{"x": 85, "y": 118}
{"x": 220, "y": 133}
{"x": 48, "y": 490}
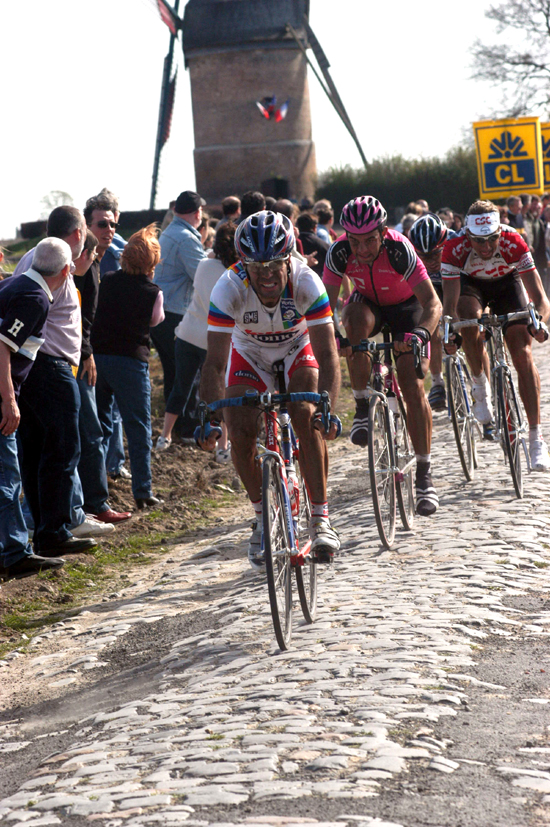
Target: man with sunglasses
{"x": 489, "y": 262}
{"x": 269, "y": 308}
{"x": 102, "y": 224}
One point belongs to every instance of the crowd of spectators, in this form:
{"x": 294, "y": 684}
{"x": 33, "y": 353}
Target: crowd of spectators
{"x": 75, "y": 346}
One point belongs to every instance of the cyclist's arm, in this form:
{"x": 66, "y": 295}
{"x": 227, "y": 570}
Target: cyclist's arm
{"x": 213, "y": 371}
{"x": 431, "y": 306}
{"x": 533, "y": 284}
{"x": 451, "y": 295}
{"x": 333, "y": 291}
{"x": 323, "y": 345}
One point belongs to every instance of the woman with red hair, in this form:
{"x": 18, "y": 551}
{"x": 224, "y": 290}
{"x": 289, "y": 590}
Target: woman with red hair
{"x": 128, "y": 305}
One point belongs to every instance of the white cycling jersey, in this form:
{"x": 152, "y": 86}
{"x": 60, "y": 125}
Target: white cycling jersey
{"x": 235, "y": 308}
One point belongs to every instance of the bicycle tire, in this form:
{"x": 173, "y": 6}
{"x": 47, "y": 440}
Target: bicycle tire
{"x": 510, "y": 425}
{"x": 462, "y": 423}
{"x": 403, "y": 454}
{"x": 381, "y": 470}
{"x": 277, "y": 549}
{"x": 306, "y": 575}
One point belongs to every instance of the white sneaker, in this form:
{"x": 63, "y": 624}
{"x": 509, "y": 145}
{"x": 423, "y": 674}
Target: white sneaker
{"x": 325, "y": 540}
{"x": 483, "y": 407}
{"x": 255, "y": 553}
{"x": 92, "y": 528}
{"x": 163, "y": 442}
{"x": 538, "y": 453}
{"x": 223, "y": 455}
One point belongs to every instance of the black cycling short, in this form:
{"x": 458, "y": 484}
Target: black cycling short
{"x": 401, "y": 318}
{"x": 506, "y": 294}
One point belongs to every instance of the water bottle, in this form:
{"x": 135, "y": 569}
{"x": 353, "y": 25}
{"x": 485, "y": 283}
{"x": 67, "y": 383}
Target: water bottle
{"x": 392, "y": 403}
{"x": 293, "y": 491}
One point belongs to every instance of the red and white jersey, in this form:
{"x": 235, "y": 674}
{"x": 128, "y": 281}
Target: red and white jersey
{"x": 512, "y": 256}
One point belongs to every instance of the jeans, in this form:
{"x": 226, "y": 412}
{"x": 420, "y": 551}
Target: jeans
{"x": 189, "y": 360}
{"x": 127, "y": 380}
{"x": 91, "y": 468}
{"x": 14, "y": 540}
{"x": 115, "y": 445}
{"x": 50, "y": 447}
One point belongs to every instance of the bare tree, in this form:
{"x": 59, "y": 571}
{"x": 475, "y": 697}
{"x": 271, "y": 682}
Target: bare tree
{"x": 522, "y": 71}
{"x": 55, "y": 198}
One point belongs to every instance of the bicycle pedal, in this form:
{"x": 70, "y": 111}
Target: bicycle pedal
{"x": 322, "y": 557}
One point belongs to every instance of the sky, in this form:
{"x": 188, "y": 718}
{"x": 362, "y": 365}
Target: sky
{"x": 80, "y": 86}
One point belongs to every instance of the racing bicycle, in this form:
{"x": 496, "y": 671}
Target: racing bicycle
{"x": 459, "y": 406}
{"x": 285, "y": 502}
{"x": 391, "y": 455}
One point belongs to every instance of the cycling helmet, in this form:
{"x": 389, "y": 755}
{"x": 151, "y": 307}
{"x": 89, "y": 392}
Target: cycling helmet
{"x": 428, "y": 233}
{"x": 264, "y": 236}
{"x": 363, "y": 215}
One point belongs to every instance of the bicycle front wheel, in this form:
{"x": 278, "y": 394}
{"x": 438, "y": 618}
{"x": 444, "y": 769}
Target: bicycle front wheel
{"x": 381, "y": 469}
{"x": 405, "y": 461}
{"x": 306, "y": 575}
{"x": 510, "y": 427}
{"x": 277, "y": 549}
{"x": 463, "y": 426}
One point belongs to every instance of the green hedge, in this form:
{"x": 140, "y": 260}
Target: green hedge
{"x": 444, "y": 182}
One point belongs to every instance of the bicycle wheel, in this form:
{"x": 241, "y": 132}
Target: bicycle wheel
{"x": 510, "y": 425}
{"x": 381, "y": 469}
{"x": 277, "y": 548}
{"x": 306, "y": 575}
{"x": 462, "y": 423}
{"x": 405, "y": 461}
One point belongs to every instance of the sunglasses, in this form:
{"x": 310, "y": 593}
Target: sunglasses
{"x": 260, "y": 267}
{"x": 485, "y": 239}
{"x": 104, "y": 224}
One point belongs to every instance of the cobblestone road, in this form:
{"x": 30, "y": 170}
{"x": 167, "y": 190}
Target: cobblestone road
{"x": 228, "y": 730}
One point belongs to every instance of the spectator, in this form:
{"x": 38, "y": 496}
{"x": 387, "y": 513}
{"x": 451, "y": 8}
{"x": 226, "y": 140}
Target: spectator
{"x": 231, "y": 209}
{"x": 251, "y": 202}
{"x": 325, "y": 219}
{"x": 311, "y": 242}
{"x": 458, "y": 222}
{"x": 515, "y": 217}
{"x": 101, "y": 214}
{"x": 110, "y": 260}
{"x": 129, "y": 304}
{"x": 446, "y": 215}
{"x": 406, "y": 223}
{"x": 412, "y": 208}
{"x": 91, "y": 466}
{"x": 269, "y": 203}
{"x": 191, "y": 335}
{"x": 24, "y": 304}
{"x": 50, "y": 403}
{"x": 306, "y": 204}
{"x": 425, "y": 209}
{"x": 168, "y": 216}
{"x": 535, "y": 234}
{"x": 181, "y": 252}
{"x": 504, "y": 215}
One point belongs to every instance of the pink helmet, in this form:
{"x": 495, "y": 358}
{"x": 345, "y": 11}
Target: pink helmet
{"x": 363, "y": 215}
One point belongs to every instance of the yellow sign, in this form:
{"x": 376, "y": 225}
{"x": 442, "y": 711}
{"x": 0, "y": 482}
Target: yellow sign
{"x": 545, "y": 133}
{"x": 509, "y": 157}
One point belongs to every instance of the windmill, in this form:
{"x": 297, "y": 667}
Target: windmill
{"x": 248, "y": 135}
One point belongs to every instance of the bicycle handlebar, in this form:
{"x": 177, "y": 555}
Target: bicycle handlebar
{"x": 368, "y": 346}
{"x": 490, "y": 320}
{"x": 267, "y": 400}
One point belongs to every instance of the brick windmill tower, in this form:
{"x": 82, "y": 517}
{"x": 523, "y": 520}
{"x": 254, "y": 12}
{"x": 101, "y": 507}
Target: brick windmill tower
{"x": 248, "y": 62}
{"x": 240, "y": 54}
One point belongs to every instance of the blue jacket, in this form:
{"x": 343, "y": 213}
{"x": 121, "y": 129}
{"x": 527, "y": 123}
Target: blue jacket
{"x": 181, "y": 252}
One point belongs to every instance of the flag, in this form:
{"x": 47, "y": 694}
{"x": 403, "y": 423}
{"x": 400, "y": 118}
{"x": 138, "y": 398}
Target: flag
{"x": 168, "y": 16}
{"x": 280, "y": 114}
{"x": 262, "y": 109}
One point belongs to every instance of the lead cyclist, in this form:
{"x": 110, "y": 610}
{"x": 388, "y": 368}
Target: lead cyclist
{"x": 266, "y": 308}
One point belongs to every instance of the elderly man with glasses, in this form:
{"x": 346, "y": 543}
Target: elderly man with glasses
{"x": 490, "y": 262}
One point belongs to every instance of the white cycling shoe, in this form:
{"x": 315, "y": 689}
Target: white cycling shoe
{"x": 539, "y": 456}
{"x": 483, "y": 407}
{"x": 325, "y": 541}
{"x": 255, "y": 553}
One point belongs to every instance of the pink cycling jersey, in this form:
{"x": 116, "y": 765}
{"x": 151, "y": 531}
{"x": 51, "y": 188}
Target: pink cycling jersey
{"x": 391, "y": 277}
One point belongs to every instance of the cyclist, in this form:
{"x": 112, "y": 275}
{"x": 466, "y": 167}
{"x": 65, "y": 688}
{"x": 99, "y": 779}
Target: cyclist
{"x": 268, "y": 307}
{"x": 428, "y": 235}
{"x": 490, "y": 262}
{"x": 391, "y": 286}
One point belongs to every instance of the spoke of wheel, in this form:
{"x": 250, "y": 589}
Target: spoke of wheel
{"x": 277, "y": 549}
{"x": 462, "y": 426}
{"x": 510, "y": 424}
{"x": 381, "y": 470}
